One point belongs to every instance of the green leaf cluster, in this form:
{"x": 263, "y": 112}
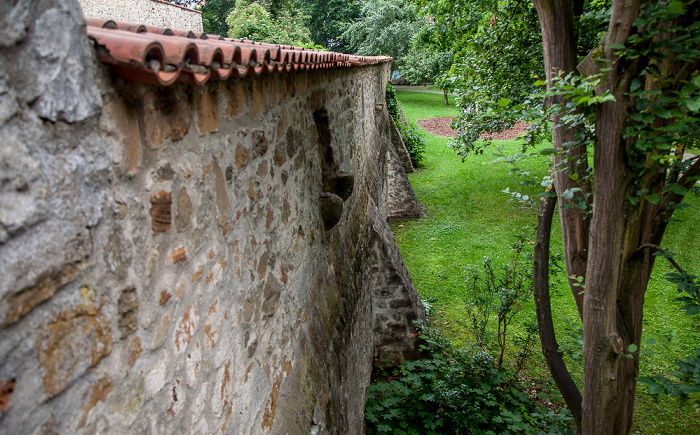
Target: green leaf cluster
{"x": 456, "y": 391}
{"x": 413, "y": 137}
{"x": 250, "y": 20}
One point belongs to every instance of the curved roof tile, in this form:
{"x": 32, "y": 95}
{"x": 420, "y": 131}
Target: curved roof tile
{"x": 163, "y": 56}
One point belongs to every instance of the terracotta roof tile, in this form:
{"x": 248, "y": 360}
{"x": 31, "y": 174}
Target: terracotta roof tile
{"x": 163, "y": 56}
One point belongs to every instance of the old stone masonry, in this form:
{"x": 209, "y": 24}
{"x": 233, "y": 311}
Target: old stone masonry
{"x": 193, "y": 231}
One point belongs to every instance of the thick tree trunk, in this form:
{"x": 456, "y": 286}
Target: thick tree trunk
{"x": 615, "y": 266}
{"x": 616, "y": 277}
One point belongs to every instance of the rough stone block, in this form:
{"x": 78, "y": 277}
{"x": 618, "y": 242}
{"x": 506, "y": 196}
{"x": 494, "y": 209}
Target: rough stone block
{"x": 126, "y": 120}
{"x": 166, "y": 114}
{"x": 70, "y": 345}
{"x": 45, "y": 287}
{"x": 208, "y": 111}
{"x": 237, "y": 100}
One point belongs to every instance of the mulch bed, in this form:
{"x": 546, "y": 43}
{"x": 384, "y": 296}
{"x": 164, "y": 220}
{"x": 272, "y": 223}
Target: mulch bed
{"x": 441, "y": 127}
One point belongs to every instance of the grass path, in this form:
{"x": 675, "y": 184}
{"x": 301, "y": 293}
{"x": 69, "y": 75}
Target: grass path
{"x": 469, "y": 217}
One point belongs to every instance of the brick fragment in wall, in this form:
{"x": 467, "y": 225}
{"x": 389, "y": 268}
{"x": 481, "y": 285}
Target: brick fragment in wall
{"x": 161, "y": 214}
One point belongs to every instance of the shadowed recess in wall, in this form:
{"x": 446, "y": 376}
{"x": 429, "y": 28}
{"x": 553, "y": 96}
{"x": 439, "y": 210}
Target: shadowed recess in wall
{"x": 337, "y": 187}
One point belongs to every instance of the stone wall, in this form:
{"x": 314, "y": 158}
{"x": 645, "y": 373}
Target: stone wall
{"x": 149, "y": 12}
{"x": 190, "y": 259}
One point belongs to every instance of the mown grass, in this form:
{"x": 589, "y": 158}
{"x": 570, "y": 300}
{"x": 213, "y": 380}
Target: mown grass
{"x": 469, "y": 217}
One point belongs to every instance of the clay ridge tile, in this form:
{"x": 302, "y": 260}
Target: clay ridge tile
{"x": 163, "y": 56}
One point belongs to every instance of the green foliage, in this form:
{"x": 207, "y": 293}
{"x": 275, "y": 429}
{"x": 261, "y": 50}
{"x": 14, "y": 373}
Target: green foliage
{"x": 687, "y": 376}
{"x": 422, "y": 65}
{"x": 252, "y": 21}
{"x": 385, "y": 28}
{"x": 469, "y": 216}
{"x": 328, "y": 19}
{"x": 456, "y": 391}
{"x": 500, "y": 294}
{"x": 214, "y": 13}
{"x": 412, "y": 136}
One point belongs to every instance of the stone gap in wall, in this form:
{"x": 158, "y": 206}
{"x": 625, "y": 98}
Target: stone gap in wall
{"x": 337, "y": 187}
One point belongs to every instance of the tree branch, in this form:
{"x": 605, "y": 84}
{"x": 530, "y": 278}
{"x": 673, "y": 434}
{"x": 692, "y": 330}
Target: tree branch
{"x": 545, "y": 325}
{"x": 668, "y": 257}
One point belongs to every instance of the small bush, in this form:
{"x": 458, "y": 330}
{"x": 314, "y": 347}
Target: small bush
{"x": 456, "y": 391}
{"x": 411, "y": 134}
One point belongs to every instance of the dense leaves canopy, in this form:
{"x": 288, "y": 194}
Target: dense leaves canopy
{"x": 386, "y": 28}
{"x": 252, "y": 21}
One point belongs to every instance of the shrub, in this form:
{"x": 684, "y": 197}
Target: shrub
{"x": 411, "y": 134}
{"x": 456, "y": 391}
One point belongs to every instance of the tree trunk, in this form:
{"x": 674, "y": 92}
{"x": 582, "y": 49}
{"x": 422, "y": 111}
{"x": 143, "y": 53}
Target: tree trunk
{"x": 548, "y": 340}
{"x": 447, "y": 102}
{"x": 558, "y": 40}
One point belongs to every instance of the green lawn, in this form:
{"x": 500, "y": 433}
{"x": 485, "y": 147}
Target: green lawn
{"x": 469, "y": 217}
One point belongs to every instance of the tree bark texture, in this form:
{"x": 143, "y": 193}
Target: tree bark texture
{"x": 559, "y": 42}
{"x": 545, "y": 325}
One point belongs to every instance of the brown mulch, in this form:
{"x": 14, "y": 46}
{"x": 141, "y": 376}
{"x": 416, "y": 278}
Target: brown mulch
{"x": 441, "y": 127}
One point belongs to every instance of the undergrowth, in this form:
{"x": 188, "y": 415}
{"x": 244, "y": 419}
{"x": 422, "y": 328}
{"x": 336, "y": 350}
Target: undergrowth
{"x": 412, "y": 136}
{"x": 458, "y": 391}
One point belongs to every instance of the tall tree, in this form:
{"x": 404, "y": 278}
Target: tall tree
{"x": 643, "y": 85}
{"x": 386, "y": 27}
{"x": 214, "y": 13}
{"x": 639, "y": 89}
{"x": 328, "y": 19}
{"x": 498, "y": 52}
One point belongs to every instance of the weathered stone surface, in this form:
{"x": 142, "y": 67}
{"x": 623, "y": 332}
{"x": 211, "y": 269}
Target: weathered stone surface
{"x": 60, "y": 65}
{"x": 117, "y": 254}
{"x": 128, "y": 307}
{"x": 69, "y": 346}
{"x": 184, "y": 211}
{"x": 222, "y": 202}
{"x": 126, "y": 122}
{"x": 46, "y": 286}
{"x": 208, "y": 112}
{"x": 165, "y": 116}
{"x": 247, "y": 317}
{"x": 331, "y": 209}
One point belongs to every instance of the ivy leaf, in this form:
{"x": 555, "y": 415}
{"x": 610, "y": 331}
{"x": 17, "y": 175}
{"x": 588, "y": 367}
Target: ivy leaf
{"x": 675, "y": 6}
{"x": 675, "y": 188}
{"x": 693, "y": 104}
{"x": 654, "y": 199}
{"x": 636, "y": 84}
{"x": 632, "y": 348}
{"x": 569, "y": 193}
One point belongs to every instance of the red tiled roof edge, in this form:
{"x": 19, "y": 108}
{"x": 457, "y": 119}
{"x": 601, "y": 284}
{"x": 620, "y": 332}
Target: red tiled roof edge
{"x": 164, "y": 56}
